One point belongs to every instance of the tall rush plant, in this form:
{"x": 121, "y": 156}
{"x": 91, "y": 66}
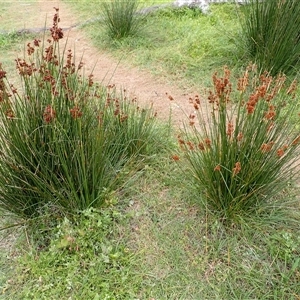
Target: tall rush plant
{"x": 241, "y": 148}
{"x": 270, "y": 33}
{"x": 65, "y": 141}
{"x": 121, "y": 18}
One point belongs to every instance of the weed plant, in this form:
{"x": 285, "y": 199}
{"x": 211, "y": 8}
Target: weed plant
{"x": 121, "y": 18}
{"x": 66, "y": 141}
{"x": 245, "y": 151}
{"x": 270, "y": 31}
{"x": 85, "y": 260}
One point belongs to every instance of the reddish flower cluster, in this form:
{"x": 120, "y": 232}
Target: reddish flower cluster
{"x": 175, "y": 157}
{"x": 262, "y": 92}
{"x": 271, "y": 113}
{"x": 281, "y": 151}
{"x": 207, "y": 142}
{"x": 2, "y": 73}
{"x": 243, "y": 82}
{"x": 222, "y": 90}
{"x": 279, "y": 83}
{"x": 250, "y": 105}
{"x": 10, "y": 114}
{"x": 292, "y": 89}
{"x": 217, "y": 168}
{"x": 24, "y": 68}
{"x": 190, "y": 145}
{"x": 192, "y": 119}
{"x": 266, "y": 147}
{"x": 75, "y": 112}
{"x": 49, "y": 114}
{"x": 201, "y": 146}
{"x": 212, "y": 98}
{"x": 30, "y": 49}
{"x": 296, "y": 141}
{"x": 90, "y": 80}
{"x": 181, "y": 142}
{"x": 230, "y": 129}
{"x": 2, "y": 85}
{"x": 70, "y": 66}
{"x": 123, "y": 117}
{"x": 195, "y": 101}
{"x": 240, "y": 136}
{"x": 237, "y": 168}
{"x": 56, "y": 32}
{"x": 223, "y": 86}
{"x": 36, "y": 42}
{"x": 205, "y": 145}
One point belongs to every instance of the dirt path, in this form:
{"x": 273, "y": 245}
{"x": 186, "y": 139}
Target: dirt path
{"x": 108, "y": 69}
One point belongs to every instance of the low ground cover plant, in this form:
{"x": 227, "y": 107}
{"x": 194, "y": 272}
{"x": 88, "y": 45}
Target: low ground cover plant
{"x": 84, "y": 260}
{"x": 65, "y": 140}
{"x": 242, "y": 147}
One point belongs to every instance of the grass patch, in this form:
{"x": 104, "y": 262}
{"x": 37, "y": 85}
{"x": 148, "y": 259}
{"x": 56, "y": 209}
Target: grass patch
{"x": 185, "y": 253}
{"x": 14, "y": 14}
{"x": 81, "y": 258}
{"x": 7, "y": 41}
{"x": 10, "y": 44}
{"x": 154, "y": 241}
{"x": 160, "y": 245}
{"x": 182, "y": 45}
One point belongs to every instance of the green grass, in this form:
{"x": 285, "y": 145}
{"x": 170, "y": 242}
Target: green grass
{"x": 166, "y": 247}
{"x": 10, "y": 44}
{"x": 121, "y": 19}
{"x": 242, "y": 154}
{"x": 180, "y": 45}
{"x": 188, "y": 255}
{"x": 155, "y": 241}
{"x": 78, "y": 258}
{"x": 14, "y": 14}
{"x": 7, "y": 41}
{"x": 271, "y": 35}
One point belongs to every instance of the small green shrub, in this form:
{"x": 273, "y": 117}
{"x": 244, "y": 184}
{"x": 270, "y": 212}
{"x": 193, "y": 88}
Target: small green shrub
{"x": 244, "y": 150}
{"x": 64, "y": 140}
{"x": 121, "y": 18}
{"x": 270, "y": 31}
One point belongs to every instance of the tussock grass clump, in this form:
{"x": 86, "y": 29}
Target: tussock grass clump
{"x": 121, "y": 18}
{"x": 65, "y": 140}
{"x": 245, "y": 150}
{"x": 270, "y": 30}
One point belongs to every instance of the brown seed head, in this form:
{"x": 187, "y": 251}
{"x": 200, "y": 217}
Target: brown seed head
{"x": 229, "y": 129}
{"x": 217, "y": 168}
{"x": 49, "y": 114}
{"x": 175, "y": 157}
{"x": 237, "y": 168}
{"x": 240, "y": 136}
{"x": 75, "y": 112}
